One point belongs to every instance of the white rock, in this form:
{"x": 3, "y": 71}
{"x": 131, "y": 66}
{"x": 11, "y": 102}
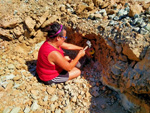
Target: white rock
{"x": 6, "y": 110}
{"x": 45, "y": 98}
{"x": 35, "y": 106}
{"x": 67, "y": 102}
{"x": 58, "y": 111}
{"x": 54, "y": 97}
{"x": 74, "y": 99}
{"x": 4, "y": 84}
{"x": 52, "y": 107}
{"x": 11, "y": 76}
{"x": 15, "y": 110}
{"x": 68, "y": 110}
{"x": 27, "y": 109}
{"x": 67, "y": 87}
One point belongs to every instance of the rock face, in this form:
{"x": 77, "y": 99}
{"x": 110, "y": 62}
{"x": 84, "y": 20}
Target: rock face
{"x": 140, "y": 72}
{"x": 143, "y": 72}
{"x": 119, "y": 33}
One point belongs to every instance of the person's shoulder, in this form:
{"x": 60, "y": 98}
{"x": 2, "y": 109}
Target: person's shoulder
{"x": 55, "y": 54}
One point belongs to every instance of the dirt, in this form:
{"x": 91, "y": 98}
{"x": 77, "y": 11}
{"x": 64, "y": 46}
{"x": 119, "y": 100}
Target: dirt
{"x": 21, "y": 52}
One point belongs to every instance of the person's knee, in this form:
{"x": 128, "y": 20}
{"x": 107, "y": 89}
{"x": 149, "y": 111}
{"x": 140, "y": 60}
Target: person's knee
{"x": 79, "y": 72}
{"x": 74, "y": 73}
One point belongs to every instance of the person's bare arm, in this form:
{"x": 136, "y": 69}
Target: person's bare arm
{"x": 56, "y": 58}
{"x": 69, "y": 46}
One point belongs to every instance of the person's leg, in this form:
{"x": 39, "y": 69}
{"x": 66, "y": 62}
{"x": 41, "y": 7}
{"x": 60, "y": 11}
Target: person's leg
{"x": 75, "y": 72}
{"x": 64, "y": 76}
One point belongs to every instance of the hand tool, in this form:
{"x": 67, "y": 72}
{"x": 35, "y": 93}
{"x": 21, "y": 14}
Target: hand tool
{"x": 88, "y": 45}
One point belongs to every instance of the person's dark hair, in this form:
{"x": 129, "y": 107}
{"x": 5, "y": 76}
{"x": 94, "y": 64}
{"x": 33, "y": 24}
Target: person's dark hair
{"x": 55, "y": 29}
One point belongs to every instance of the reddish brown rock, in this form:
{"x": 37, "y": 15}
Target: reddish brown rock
{"x": 135, "y": 9}
{"x": 132, "y": 53}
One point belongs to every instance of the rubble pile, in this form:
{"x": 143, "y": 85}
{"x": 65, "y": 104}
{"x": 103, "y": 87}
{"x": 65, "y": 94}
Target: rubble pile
{"x": 120, "y": 35}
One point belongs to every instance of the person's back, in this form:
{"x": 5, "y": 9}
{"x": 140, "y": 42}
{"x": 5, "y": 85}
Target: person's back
{"x": 45, "y": 70}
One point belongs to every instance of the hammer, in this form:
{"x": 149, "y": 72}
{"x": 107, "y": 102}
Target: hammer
{"x": 88, "y": 45}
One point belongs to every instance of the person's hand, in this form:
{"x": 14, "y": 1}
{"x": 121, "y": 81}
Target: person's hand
{"x": 81, "y": 48}
{"x": 81, "y": 53}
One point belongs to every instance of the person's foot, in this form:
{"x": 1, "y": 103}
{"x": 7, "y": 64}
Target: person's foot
{"x": 78, "y": 65}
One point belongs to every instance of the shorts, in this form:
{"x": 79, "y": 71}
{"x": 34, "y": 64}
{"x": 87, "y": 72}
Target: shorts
{"x": 61, "y": 78}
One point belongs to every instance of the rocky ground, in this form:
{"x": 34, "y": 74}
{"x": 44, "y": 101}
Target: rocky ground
{"x": 21, "y": 92}
{"x": 113, "y": 80}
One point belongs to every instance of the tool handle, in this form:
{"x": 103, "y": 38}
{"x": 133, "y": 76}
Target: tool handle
{"x": 85, "y": 48}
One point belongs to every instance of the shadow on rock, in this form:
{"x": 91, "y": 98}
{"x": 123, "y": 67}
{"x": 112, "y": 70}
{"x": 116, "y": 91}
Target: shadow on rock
{"x": 32, "y": 69}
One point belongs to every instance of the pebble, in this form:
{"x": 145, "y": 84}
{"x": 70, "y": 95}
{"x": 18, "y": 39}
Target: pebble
{"x": 122, "y": 12}
{"x": 111, "y": 16}
{"x": 147, "y": 27}
{"x": 11, "y": 67}
{"x": 54, "y": 98}
{"x": 50, "y": 90}
{"x": 8, "y": 77}
{"x": 118, "y": 49}
{"x": 112, "y": 23}
{"x": 95, "y": 94}
{"x": 45, "y": 98}
{"x": 35, "y": 105}
{"x": 74, "y": 99}
{"x": 143, "y": 31}
{"x": 137, "y": 29}
{"x": 58, "y": 111}
{"x": 68, "y": 109}
{"x": 52, "y": 107}
{"x": 15, "y": 110}
{"x": 103, "y": 106}
{"x": 7, "y": 110}
{"x": 27, "y": 109}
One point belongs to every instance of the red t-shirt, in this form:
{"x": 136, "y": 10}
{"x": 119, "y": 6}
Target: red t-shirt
{"x": 45, "y": 70}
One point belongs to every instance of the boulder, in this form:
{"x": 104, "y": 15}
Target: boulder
{"x": 10, "y": 22}
{"x": 110, "y": 44}
{"x": 18, "y": 31}
{"x": 50, "y": 20}
{"x": 137, "y": 78}
{"x": 97, "y": 2}
{"x": 118, "y": 68}
{"x": 6, "y": 33}
{"x": 105, "y": 5}
{"x": 144, "y": 65}
{"x": 42, "y": 19}
{"x": 132, "y": 53}
{"x": 80, "y": 8}
{"x": 30, "y": 23}
{"x": 135, "y": 9}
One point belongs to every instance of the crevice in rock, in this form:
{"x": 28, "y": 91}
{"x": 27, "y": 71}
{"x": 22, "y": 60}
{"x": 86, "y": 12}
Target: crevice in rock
{"x": 112, "y": 64}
